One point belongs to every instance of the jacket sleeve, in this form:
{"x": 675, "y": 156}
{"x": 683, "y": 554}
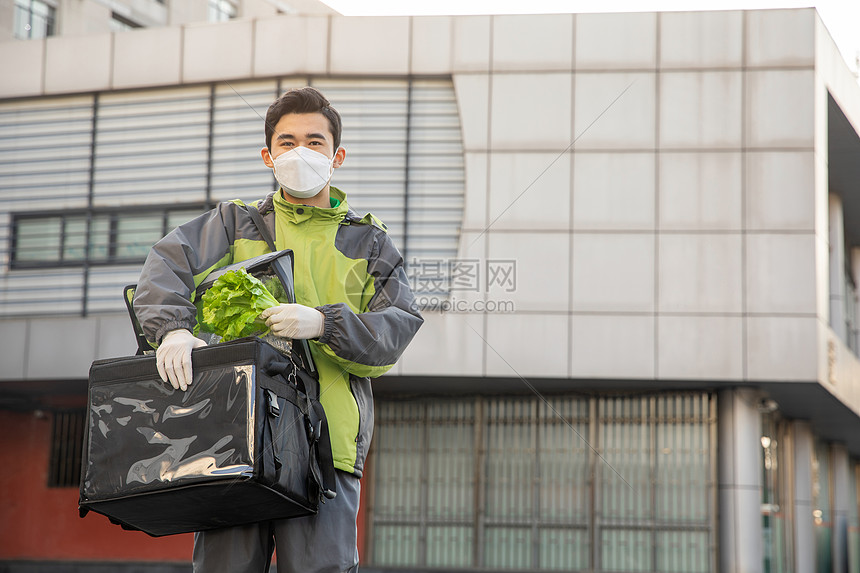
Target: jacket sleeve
{"x": 367, "y": 344}
{"x": 164, "y": 298}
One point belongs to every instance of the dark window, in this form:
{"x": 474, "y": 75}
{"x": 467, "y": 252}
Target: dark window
{"x": 119, "y": 23}
{"x": 570, "y": 483}
{"x": 66, "y": 448}
{"x": 34, "y": 19}
{"x": 74, "y": 238}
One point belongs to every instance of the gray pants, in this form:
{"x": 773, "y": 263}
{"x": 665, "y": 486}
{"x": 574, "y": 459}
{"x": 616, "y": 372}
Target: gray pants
{"x": 324, "y": 543}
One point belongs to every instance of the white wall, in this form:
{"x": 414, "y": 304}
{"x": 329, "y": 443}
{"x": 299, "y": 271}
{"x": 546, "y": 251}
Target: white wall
{"x": 655, "y": 177}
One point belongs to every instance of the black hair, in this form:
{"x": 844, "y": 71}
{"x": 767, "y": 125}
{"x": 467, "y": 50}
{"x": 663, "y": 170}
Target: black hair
{"x": 302, "y": 100}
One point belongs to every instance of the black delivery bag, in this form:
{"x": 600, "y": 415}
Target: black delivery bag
{"x": 244, "y": 443}
{"x": 248, "y": 441}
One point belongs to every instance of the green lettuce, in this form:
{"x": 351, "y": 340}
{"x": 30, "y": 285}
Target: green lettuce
{"x": 232, "y": 305}
{"x": 274, "y": 286}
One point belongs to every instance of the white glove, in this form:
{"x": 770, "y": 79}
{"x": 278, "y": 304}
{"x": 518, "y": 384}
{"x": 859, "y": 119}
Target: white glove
{"x": 294, "y": 321}
{"x": 173, "y": 357}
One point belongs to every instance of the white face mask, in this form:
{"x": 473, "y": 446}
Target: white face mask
{"x": 303, "y": 172}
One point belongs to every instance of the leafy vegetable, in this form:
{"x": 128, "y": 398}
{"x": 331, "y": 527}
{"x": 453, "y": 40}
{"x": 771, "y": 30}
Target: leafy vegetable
{"x": 274, "y": 286}
{"x": 232, "y": 305}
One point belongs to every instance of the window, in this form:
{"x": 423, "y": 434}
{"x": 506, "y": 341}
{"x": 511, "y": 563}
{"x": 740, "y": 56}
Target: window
{"x": 127, "y": 155}
{"x": 854, "y": 516}
{"x": 221, "y": 10}
{"x": 776, "y": 517}
{"x": 567, "y": 483}
{"x": 852, "y": 328}
{"x": 843, "y": 227}
{"x": 119, "y": 23}
{"x": 822, "y": 506}
{"x": 73, "y": 238}
{"x": 66, "y": 449}
{"x": 34, "y": 19}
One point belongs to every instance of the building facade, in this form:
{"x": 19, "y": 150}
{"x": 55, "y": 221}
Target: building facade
{"x": 635, "y": 238}
{"x": 35, "y": 19}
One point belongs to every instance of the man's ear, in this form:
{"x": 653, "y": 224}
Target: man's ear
{"x": 339, "y": 156}
{"x": 267, "y": 157}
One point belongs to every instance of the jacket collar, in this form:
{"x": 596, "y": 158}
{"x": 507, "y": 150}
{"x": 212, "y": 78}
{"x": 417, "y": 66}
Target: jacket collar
{"x": 297, "y": 213}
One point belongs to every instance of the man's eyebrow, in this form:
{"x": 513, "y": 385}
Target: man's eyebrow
{"x": 313, "y": 135}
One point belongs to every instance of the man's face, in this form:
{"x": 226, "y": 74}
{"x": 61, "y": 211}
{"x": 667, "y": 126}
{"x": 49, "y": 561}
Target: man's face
{"x": 309, "y": 130}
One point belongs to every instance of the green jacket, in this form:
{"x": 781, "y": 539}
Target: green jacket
{"x": 345, "y": 266}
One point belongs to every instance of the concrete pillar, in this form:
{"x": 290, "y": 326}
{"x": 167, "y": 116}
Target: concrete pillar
{"x": 260, "y": 8}
{"x": 7, "y": 21}
{"x": 187, "y": 12}
{"x": 739, "y": 428}
{"x": 82, "y": 17}
{"x": 804, "y": 534}
{"x": 841, "y": 502}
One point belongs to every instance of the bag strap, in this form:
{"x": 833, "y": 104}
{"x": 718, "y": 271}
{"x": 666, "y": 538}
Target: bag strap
{"x": 261, "y": 226}
{"x": 322, "y": 450}
{"x": 322, "y": 460}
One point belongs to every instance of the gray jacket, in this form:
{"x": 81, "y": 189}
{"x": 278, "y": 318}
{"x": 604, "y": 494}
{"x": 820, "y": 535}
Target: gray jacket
{"x": 345, "y": 266}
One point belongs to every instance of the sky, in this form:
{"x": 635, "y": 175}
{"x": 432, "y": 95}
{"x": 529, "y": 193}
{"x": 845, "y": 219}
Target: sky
{"x": 841, "y": 17}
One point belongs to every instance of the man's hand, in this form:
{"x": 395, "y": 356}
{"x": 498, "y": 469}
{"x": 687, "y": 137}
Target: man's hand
{"x": 173, "y": 357}
{"x": 294, "y": 321}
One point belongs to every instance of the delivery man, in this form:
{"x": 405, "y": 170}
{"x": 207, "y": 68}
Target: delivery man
{"x": 353, "y": 303}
